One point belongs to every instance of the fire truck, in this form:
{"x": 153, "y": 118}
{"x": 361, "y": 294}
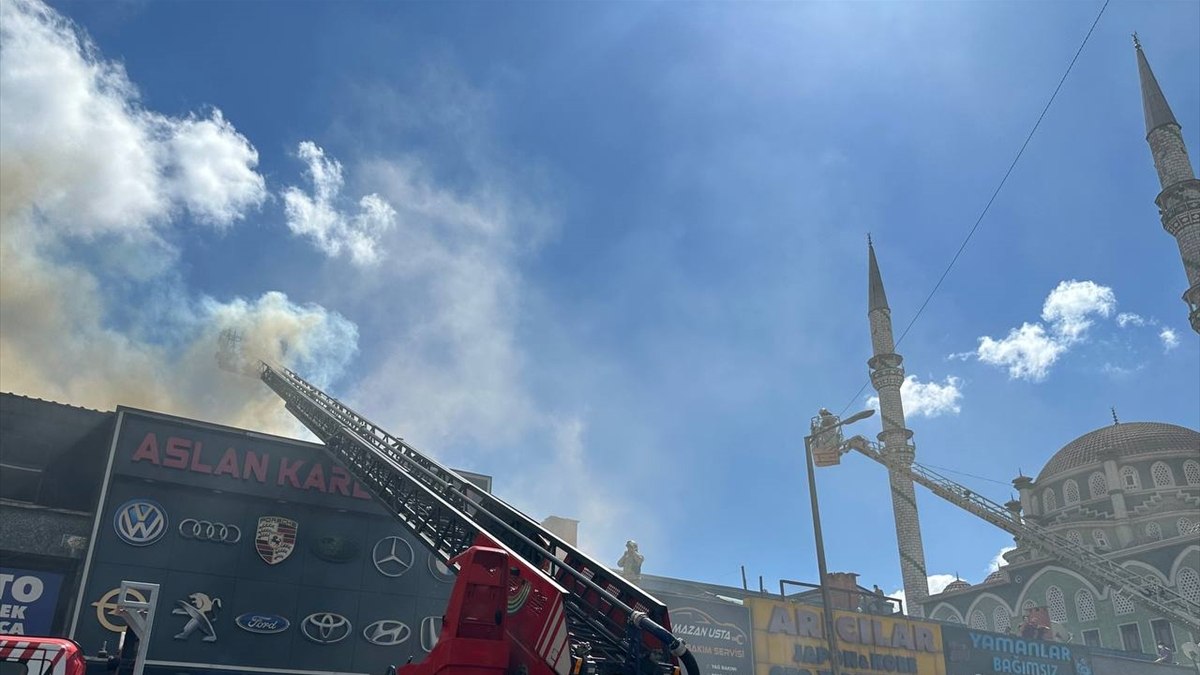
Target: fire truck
{"x": 524, "y": 602}
{"x": 24, "y": 655}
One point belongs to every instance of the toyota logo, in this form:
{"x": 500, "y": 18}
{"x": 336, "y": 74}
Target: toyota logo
{"x": 387, "y": 632}
{"x": 392, "y": 556}
{"x": 203, "y": 530}
{"x": 325, "y": 627}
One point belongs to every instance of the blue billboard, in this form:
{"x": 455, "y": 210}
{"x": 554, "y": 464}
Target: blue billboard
{"x": 27, "y": 601}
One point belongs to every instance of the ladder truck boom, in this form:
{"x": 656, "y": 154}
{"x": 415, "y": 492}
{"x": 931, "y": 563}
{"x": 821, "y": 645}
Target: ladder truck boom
{"x": 524, "y": 600}
{"x": 1143, "y": 589}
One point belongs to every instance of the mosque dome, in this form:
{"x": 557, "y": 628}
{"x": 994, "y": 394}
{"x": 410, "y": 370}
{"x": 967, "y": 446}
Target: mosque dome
{"x": 1127, "y": 439}
{"x": 956, "y": 585}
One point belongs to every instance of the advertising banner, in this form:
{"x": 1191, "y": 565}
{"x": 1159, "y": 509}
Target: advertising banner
{"x": 27, "y": 601}
{"x": 267, "y": 553}
{"x": 973, "y": 652}
{"x": 717, "y": 633}
{"x": 789, "y": 639}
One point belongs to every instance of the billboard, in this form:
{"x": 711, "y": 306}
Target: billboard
{"x": 717, "y": 633}
{"x": 268, "y": 555}
{"x": 789, "y": 639}
{"x": 28, "y": 599}
{"x": 973, "y": 652}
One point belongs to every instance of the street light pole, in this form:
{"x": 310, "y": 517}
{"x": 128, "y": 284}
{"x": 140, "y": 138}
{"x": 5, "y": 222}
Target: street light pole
{"x": 827, "y": 609}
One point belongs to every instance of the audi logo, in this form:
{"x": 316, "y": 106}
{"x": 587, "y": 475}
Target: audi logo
{"x": 203, "y": 530}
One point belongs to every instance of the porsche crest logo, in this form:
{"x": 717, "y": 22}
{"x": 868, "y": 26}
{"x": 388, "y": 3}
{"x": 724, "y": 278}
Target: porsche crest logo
{"x": 275, "y": 539}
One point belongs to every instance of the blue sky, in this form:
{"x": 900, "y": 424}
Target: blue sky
{"x": 613, "y": 254}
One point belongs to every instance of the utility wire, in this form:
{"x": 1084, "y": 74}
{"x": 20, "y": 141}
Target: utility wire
{"x": 964, "y": 473}
{"x": 995, "y": 193}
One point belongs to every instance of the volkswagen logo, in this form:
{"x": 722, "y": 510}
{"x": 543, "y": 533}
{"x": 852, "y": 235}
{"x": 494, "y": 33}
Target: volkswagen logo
{"x": 203, "y": 530}
{"x": 387, "y": 632}
{"x": 392, "y": 556}
{"x": 140, "y": 522}
{"x": 325, "y": 627}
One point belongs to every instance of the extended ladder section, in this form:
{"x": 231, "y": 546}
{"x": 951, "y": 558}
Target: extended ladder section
{"x": 450, "y": 514}
{"x": 1144, "y": 589}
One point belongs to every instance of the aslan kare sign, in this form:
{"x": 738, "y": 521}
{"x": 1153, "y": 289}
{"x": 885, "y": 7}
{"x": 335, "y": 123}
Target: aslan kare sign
{"x": 789, "y": 639}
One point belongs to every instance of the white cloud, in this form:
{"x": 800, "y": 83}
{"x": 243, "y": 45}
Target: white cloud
{"x": 998, "y": 560}
{"x": 1130, "y": 319}
{"x": 927, "y": 399}
{"x": 1027, "y": 352}
{"x": 1030, "y": 351}
{"x": 318, "y": 217}
{"x": 77, "y": 140}
{"x": 1169, "y": 339}
{"x": 1070, "y": 305}
{"x": 84, "y": 164}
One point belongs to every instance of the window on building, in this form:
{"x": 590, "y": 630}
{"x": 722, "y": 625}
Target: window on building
{"x": 1091, "y": 638}
{"x": 1057, "y": 604}
{"x": 1075, "y": 537}
{"x": 1121, "y": 604}
{"x": 1049, "y": 500}
{"x": 1097, "y": 485}
{"x": 1085, "y": 605}
{"x": 1153, "y": 531}
{"x": 978, "y": 620}
{"x": 1162, "y": 475}
{"x": 1131, "y": 637}
{"x": 1101, "y": 538}
{"x": 1001, "y": 619}
{"x": 1186, "y": 527}
{"x": 1071, "y": 492}
{"x": 1026, "y": 606}
{"x": 1129, "y": 478}
{"x": 1187, "y": 584}
{"x": 1191, "y": 472}
{"x": 1161, "y": 628}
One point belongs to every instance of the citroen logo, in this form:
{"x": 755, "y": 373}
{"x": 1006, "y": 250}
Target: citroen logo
{"x": 387, "y": 632}
{"x": 325, "y": 627}
{"x": 392, "y": 556}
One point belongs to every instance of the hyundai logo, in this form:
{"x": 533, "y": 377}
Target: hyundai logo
{"x": 262, "y": 623}
{"x": 325, "y": 627}
{"x": 203, "y": 530}
{"x": 387, "y": 632}
{"x": 140, "y": 522}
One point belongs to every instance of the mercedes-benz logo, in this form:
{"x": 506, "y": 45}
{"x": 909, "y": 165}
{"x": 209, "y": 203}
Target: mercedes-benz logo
{"x": 203, "y": 530}
{"x": 325, "y": 627}
{"x": 392, "y": 556}
{"x": 387, "y": 632}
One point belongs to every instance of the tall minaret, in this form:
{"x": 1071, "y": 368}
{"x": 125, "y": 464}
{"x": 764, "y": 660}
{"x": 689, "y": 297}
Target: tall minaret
{"x": 1179, "y": 201}
{"x": 887, "y": 375}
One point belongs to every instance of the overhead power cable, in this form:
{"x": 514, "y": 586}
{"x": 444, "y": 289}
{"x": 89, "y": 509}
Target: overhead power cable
{"x": 990, "y": 201}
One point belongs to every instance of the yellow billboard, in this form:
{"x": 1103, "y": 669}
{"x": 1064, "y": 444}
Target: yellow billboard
{"x": 789, "y": 639}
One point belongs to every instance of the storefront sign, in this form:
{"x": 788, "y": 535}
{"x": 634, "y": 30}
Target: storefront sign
{"x": 27, "y": 601}
{"x": 717, "y": 633}
{"x": 976, "y": 652}
{"x": 789, "y": 639}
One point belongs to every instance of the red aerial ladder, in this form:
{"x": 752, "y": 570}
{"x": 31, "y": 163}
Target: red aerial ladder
{"x": 525, "y": 602}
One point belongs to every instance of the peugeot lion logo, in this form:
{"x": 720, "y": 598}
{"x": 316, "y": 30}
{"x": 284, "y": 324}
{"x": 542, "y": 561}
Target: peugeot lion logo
{"x": 325, "y": 627}
{"x": 140, "y": 522}
{"x": 387, "y": 632}
{"x": 392, "y": 556}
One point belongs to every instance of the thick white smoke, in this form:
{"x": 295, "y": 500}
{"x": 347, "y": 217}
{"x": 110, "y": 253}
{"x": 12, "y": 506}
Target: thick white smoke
{"x": 92, "y": 185}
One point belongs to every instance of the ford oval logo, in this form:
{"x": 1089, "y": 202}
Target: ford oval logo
{"x": 262, "y": 623}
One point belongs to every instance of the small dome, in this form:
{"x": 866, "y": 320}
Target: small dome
{"x": 956, "y": 585}
{"x": 1128, "y": 439}
{"x": 998, "y": 575}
